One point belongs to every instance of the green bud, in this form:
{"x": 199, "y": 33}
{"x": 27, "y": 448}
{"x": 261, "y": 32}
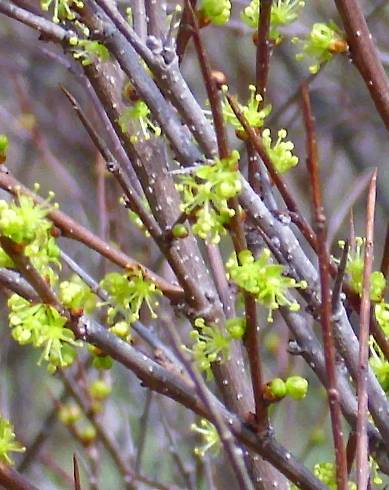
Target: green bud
{"x": 236, "y": 327}
{"x": 99, "y": 389}
{"x": 278, "y": 388}
{"x": 180, "y": 231}
{"x": 88, "y": 435}
{"x": 69, "y": 414}
{"x": 3, "y": 144}
{"x": 296, "y": 387}
{"x": 103, "y": 362}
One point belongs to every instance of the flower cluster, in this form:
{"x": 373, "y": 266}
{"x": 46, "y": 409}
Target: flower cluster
{"x": 62, "y": 9}
{"x": 264, "y": 279}
{"x": 138, "y": 113}
{"x": 354, "y": 269}
{"x": 281, "y": 152}
{"x": 210, "y": 435}
{"x": 326, "y": 472}
{"x": 88, "y": 52}
{"x": 206, "y": 193}
{"x": 42, "y": 326}
{"x": 322, "y": 43}
{"x": 251, "y": 111}
{"x": 76, "y": 295}
{"x": 210, "y": 345}
{"x": 24, "y": 222}
{"x": 216, "y": 11}
{"x": 283, "y": 12}
{"x": 128, "y": 292}
{"x": 8, "y": 444}
{"x": 379, "y": 364}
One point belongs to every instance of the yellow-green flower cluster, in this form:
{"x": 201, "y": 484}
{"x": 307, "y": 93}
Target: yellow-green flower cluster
{"x": 42, "y": 326}
{"x": 216, "y": 11}
{"x": 76, "y": 295}
{"x": 354, "y": 269}
{"x": 283, "y": 12}
{"x": 62, "y": 8}
{"x": 140, "y": 113}
{"x": 88, "y": 52}
{"x": 128, "y": 292}
{"x": 264, "y": 279}
{"x": 251, "y": 111}
{"x": 25, "y": 223}
{"x": 210, "y": 436}
{"x": 205, "y": 196}
{"x": 322, "y": 43}
{"x": 8, "y": 444}
{"x": 281, "y": 152}
{"x": 326, "y": 472}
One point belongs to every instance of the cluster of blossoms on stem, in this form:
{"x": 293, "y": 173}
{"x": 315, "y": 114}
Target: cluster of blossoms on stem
{"x": 321, "y": 44}
{"x": 138, "y": 113}
{"x": 128, "y": 292}
{"x": 281, "y": 152}
{"x": 8, "y": 444}
{"x": 354, "y": 270}
{"x": 326, "y": 472}
{"x": 216, "y": 11}
{"x": 62, "y": 9}
{"x": 210, "y": 436}
{"x": 44, "y": 327}
{"x": 88, "y": 52}
{"x": 283, "y": 12}
{"x": 77, "y": 296}
{"x": 251, "y": 111}
{"x": 211, "y": 344}
{"x": 379, "y": 364}
{"x": 24, "y": 222}
{"x": 264, "y": 279}
{"x": 205, "y": 195}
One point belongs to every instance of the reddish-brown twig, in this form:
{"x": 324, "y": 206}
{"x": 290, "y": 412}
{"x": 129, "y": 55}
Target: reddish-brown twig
{"x": 365, "y": 56}
{"x": 263, "y": 47}
{"x": 362, "y": 458}
{"x": 72, "y": 229}
{"x": 326, "y": 307}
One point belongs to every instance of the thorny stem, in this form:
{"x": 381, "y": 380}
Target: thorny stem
{"x": 325, "y": 307}
{"x": 362, "y": 458}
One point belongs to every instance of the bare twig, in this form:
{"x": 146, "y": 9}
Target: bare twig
{"x": 365, "y": 55}
{"x": 325, "y": 309}
{"x": 362, "y": 441}
{"x": 263, "y": 47}
{"x": 10, "y": 478}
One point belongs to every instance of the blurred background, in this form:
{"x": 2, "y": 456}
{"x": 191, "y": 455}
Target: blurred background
{"x": 49, "y": 146}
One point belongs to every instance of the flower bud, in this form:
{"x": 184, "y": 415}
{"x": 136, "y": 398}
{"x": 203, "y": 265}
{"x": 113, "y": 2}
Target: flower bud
{"x": 296, "y": 387}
